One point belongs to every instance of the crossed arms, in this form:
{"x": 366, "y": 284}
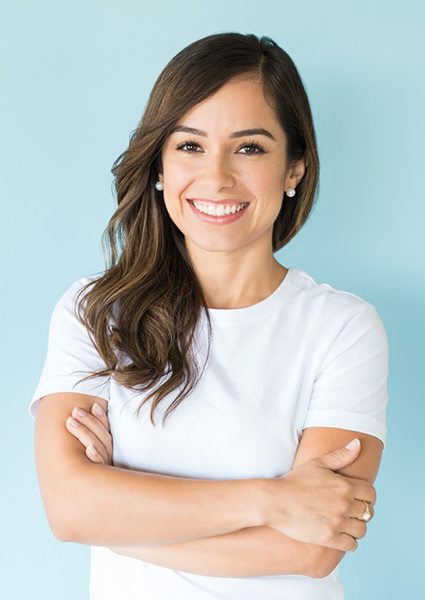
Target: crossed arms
{"x": 110, "y": 510}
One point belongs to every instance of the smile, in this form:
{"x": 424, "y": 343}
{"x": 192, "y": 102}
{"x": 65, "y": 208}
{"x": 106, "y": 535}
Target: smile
{"x": 220, "y": 213}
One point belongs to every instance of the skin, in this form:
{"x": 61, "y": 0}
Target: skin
{"x": 234, "y": 262}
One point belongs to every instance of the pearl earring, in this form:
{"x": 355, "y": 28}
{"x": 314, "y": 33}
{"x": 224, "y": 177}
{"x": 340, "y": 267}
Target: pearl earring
{"x": 291, "y": 192}
{"x": 159, "y": 186}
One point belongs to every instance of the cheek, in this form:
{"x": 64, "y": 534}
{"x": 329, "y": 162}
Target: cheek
{"x": 176, "y": 182}
{"x": 177, "y": 170}
{"x": 269, "y": 189}
{"x": 174, "y": 200}
{"x": 265, "y": 180}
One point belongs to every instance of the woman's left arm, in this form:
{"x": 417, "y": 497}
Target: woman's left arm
{"x": 257, "y": 551}
{"x": 262, "y": 550}
{"x": 249, "y": 552}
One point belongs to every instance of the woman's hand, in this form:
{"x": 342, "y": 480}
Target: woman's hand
{"x": 316, "y": 505}
{"x": 93, "y": 431}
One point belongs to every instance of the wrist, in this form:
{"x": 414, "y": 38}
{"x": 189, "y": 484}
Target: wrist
{"x": 275, "y": 502}
{"x": 266, "y": 503}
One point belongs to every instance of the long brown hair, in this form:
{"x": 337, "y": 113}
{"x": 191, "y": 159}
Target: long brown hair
{"x": 142, "y": 312}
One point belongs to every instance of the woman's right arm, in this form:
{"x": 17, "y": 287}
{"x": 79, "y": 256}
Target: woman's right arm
{"x": 104, "y": 505}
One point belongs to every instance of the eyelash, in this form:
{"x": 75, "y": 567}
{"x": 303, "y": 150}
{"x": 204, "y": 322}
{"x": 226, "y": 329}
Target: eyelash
{"x": 252, "y": 144}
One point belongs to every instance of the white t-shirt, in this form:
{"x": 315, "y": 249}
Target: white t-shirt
{"x": 307, "y": 355}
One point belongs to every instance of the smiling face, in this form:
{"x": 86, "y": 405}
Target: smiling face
{"x": 219, "y": 162}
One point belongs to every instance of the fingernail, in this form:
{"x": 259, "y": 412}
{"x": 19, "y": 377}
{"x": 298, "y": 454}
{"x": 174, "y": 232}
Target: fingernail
{"x": 98, "y": 409}
{"x": 353, "y": 444}
{"x": 92, "y": 450}
{"x": 73, "y": 422}
{"x": 81, "y": 412}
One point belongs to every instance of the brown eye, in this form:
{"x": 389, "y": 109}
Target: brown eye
{"x": 256, "y": 146}
{"x": 187, "y": 143}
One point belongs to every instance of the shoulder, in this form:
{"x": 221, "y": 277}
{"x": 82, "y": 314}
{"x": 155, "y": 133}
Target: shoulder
{"x": 330, "y": 316}
{"x": 82, "y": 283}
{"x": 76, "y": 288}
{"x": 322, "y": 300}
{"x": 66, "y": 304}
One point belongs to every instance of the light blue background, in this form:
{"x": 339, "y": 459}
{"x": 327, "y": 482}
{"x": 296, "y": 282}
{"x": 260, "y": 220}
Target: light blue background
{"x": 75, "y": 78}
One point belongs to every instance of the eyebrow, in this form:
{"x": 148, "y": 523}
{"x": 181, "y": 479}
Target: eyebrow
{"x": 235, "y": 134}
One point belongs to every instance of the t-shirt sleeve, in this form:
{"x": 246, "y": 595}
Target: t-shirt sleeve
{"x": 71, "y": 354}
{"x": 350, "y": 390}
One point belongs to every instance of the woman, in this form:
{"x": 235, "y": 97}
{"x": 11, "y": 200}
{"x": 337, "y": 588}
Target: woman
{"x": 259, "y": 374}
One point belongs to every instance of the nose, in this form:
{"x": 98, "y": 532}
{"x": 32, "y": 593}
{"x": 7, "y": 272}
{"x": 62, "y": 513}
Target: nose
{"x": 217, "y": 171}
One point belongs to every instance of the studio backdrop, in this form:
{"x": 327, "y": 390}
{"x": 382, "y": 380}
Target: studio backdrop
{"x": 75, "y": 79}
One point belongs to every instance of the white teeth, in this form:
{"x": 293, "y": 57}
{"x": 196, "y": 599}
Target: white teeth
{"x": 220, "y": 209}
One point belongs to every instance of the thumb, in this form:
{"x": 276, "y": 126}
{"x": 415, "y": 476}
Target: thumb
{"x": 339, "y": 458}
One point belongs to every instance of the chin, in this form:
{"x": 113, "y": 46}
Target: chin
{"x": 212, "y": 243}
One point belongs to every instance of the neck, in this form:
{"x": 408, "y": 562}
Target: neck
{"x": 236, "y": 279}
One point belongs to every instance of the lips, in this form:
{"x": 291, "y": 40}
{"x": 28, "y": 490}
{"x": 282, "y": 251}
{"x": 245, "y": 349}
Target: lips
{"x": 227, "y": 201}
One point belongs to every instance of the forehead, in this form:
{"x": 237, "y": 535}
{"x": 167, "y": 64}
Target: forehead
{"x": 238, "y": 104}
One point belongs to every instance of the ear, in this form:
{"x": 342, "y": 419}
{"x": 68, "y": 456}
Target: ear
{"x": 158, "y": 168}
{"x": 295, "y": 173}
